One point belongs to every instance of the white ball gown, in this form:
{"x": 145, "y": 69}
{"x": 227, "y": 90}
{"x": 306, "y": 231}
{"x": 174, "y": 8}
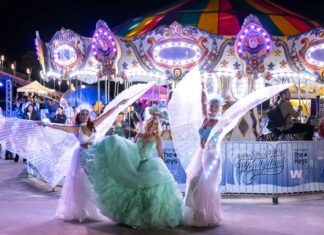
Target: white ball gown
{"x": 203, "y": 198}
{"x": 77, "y": 197}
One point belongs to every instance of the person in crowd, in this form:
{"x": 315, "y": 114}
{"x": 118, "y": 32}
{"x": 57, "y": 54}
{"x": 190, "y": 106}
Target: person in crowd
{"x": 132, "y": 186}
{"x": 118, "y": 127}
{"x": 131, "y": 125}
{"x": 68, "y": 111}
{"x": 288, "y": 112}
{"x": 202, "y": 200}
{"x": 59, "y": 117}
{"x": 319, "y": 135}
{"x": 31, "y": 113}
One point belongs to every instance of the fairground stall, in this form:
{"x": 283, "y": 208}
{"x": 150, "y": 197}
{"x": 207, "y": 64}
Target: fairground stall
{"x": 239, "y": 47}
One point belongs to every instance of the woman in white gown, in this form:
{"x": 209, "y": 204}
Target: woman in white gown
{"x": 76, "y": 200}
{"x": 202, "y": 200}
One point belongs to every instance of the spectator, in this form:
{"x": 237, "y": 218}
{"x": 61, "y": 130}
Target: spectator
{"x": 132, "y": 125}
{"x": 288, "y": 112}
{"x": 31, "y": 114}
{"x": 59, "y": 117}
{"x": 319, "y": 135}
{"x": 118, "y": 126}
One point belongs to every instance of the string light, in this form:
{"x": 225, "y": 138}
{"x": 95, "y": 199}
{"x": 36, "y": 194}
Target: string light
{"x": 177, "y": 53}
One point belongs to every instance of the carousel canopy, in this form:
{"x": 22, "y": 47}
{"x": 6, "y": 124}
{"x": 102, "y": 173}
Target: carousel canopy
{"x": 223, "y": 17}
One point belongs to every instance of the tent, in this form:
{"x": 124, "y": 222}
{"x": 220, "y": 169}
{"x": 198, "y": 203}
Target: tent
{"x": 35, "y": 87}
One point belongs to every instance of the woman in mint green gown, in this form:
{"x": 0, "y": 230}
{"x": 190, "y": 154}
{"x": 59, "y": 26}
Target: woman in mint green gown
{"x": 132, "y": 186}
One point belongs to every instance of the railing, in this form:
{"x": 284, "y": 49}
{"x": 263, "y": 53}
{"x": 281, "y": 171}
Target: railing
{"x": 14, "y": 73}
{"x": 21, "y": 78}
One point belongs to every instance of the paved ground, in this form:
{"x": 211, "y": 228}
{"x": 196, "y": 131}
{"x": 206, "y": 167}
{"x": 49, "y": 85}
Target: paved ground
{"x": 27, "y": 206}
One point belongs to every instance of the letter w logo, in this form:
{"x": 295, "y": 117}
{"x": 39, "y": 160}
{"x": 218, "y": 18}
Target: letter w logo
{"x": 296, "y": 174}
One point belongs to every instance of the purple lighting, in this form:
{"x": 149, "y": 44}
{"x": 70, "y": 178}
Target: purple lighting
{"x": 253, "y": 44}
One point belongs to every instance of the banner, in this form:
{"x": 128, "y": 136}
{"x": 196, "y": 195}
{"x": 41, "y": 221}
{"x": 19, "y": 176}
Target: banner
{"x": 173, "y": 162}
{"x": 273, "y": 167}
{"x": 263, "y": 167}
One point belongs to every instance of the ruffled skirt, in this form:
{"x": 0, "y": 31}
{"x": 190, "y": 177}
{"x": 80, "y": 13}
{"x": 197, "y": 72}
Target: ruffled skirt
{"x": 130, "y": 191}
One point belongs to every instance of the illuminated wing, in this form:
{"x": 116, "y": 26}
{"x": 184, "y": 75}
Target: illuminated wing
{"x": 185, "y": 112}
{"x": 48, "y": 150}
{"x": 239, "y": 109}
{"x": 131, "y": 95}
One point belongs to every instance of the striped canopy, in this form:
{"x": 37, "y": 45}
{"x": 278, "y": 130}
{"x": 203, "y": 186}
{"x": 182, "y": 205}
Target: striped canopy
{"x": 223, "y": 17}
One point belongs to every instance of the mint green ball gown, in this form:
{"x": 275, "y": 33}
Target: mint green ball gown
{"x": 132, "y": 187}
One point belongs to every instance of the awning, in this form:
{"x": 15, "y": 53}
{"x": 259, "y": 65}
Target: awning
{"x": 35, "y": 87}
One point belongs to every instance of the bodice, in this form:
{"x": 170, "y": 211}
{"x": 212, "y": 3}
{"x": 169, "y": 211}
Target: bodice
{"x": 84, "y": 139}
{"x": 204, "y": 133}
{"x": 146, "y": 149}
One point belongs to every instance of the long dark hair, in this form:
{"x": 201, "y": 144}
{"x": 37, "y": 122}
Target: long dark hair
{"x": 90, "y": 124}
{"x": 34, "y": 111}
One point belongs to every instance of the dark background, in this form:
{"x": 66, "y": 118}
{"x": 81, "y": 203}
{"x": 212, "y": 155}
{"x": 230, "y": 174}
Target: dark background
{"x": 20, "y": 20}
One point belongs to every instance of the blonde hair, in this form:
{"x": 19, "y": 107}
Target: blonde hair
{"x": 153, "y": 122}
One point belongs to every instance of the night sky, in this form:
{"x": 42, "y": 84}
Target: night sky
{"x": 20, "y": 19}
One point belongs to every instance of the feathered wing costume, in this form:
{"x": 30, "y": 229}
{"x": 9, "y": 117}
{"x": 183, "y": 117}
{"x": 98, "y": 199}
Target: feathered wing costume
{"x": 48, "y": 150}
{"x": 203, "y": 167}
{"x": 186, "y": 116}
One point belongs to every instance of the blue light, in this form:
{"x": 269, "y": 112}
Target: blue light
{"x": 1, "y": 84}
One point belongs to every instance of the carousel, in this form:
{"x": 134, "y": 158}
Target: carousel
{"x": 235, "y": 54}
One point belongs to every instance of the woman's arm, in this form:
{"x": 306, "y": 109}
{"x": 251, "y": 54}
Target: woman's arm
{"x": 66, "y": 128}
{"x": 103, "y": 116}
{"x": 159, "y": 147}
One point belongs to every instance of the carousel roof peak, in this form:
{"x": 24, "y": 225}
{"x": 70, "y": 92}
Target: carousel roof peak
{"x": 229, "y": 15}
{"x": 102, "y": 24}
